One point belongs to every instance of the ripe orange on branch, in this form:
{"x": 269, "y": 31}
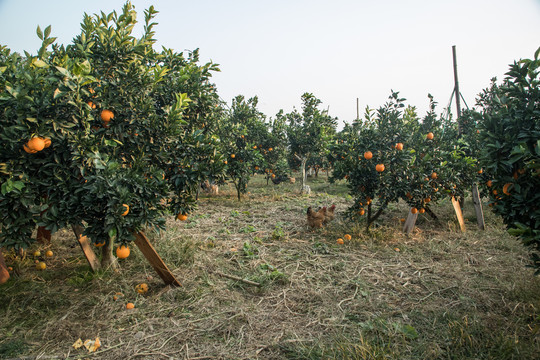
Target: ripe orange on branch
{"x": 399, "y": 146}
{"x": 107, "y": 115}
{"x": 122, "y": 252}
{"x": 430, "y": 136}
{"x": 379, "y": 167}
{"x": 182, "y": 217}
{"x": 368, "y": 155}
{"x": 126, "y": 211}
{"x": 36, "y": 144}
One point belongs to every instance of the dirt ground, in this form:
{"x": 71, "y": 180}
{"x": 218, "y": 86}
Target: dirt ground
{"x": 257, "y": 283}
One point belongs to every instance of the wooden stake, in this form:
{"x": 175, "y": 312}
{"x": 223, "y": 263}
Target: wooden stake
{"x": 154, "y": 259}
{"x": 478, "y": 208}
{"x": 93, "y": 261}
{"x": 410, "y": 222}
{"x": 459, "y": 214}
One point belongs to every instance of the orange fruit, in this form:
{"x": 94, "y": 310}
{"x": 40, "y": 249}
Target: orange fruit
{"x": 402, "y": 220}
{"x": 506, "y": 188}
{"x": 427, "y": 200}
{"x": 270, "y": 149}
{"x": 49, "y": 253}
{"x": 254, "y": 147}
{"x": 92, "y": 105}
{"x": 256, "y": 168}
{"x": 399, "y": 146}
{"x": 107, "y": 115}
{"x": 340, "y": 241}
{"x": 361, "y": 212}
{"x": 182, "y": 217}
{"x": 433, "y": 175}
{"x": 414, "y": 210}
{"x": 233, "y": 156}
{"x": 489, "y": 183}
{"x": 273, "y": 176}
{"x": 28, "y": 150}
{"x": 142, "y": 288}
{"x": 36, "y": 144}
{"x": 368, "y": 155}
{"x": 127, "y": 209}
{"x": 480, "y": 171}
{"x": 379, "y": 167}
{"x": 130, "y": 306}
{"x": 430, "y": 136}
{"x": 122, "y": 252}
{"x": 225, "y": 162}
{"x": 99, "y": 244}
{"x": 41, "y": 265}
{"x": 408, "y": 195}
{"x": 347, "y": 237}
{"x": 37, "y": 253}
{"x": 421, "y": 210}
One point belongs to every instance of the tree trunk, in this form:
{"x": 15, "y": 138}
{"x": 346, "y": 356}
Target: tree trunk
{"x": 108, "y": 260}
{"x": 304, "y": 174}
{"x": 316, "y": 172}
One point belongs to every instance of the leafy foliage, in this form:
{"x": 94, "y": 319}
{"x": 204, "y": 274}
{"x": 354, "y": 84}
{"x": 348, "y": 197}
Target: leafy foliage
{"x": 509, "y": 124}
{"x": 127, "y": 125}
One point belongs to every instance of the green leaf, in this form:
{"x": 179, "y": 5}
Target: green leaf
{"x": 19, "y": 185}
{"x": 39, "y": 33}
{"x": 48, "y": 31}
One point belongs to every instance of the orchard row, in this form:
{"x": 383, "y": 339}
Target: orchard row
{"x": 109, "y": 134}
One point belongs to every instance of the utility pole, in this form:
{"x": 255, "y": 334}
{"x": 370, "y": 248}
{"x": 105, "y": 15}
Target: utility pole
{"x": 456, "y": 91}
{"x": 357, "y": 110}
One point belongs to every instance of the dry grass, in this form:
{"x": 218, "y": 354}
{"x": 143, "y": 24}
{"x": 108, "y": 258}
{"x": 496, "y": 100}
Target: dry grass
{"x": 443, "y": 295}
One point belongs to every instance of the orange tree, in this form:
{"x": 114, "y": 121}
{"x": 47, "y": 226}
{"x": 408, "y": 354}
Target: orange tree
{"x": 241, "y": 151}
{"x": 273, "y": 148}
{"x": 114, "y": 113}
{"x": 509, "y": 129}
{"x": 368, "y": 159}
{"x": 392, "y": 155}
{"x": 309, "y": 132}
{"x": 443, "y": 165}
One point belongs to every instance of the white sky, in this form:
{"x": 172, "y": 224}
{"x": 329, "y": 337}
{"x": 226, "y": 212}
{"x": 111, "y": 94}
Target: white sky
{"x": 339, "y": 50}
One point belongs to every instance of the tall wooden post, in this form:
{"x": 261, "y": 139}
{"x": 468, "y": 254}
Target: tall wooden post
{"x": 456, "y": 91}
